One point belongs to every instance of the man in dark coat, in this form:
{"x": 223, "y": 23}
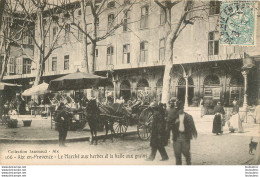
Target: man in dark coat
{"x": 217, "y": 122}
{"x": 63, "y": 121}
{"x": 158, "y": 135}
{"x": 171, "y": 115}
{"x": 183, "y": 131}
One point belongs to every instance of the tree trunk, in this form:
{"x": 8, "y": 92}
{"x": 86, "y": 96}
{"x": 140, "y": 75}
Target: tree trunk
{"x": 171, "y": 37}
{"x": 92, "y": 62}
{"x": 85, "y": 38}
{"x": 39, "y": 51}
{"x": 167, "y": 72}
{"x": 85, "y": 54}
{"x": 39, "y": 69}
{"x": 92, "y": 58}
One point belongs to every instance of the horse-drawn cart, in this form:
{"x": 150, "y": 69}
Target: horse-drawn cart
{"x": 115, "y": 117}
{"x": 121, "y": 117}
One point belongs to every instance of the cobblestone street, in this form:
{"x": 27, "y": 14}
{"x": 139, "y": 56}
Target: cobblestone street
{"x": 206, "y": 150}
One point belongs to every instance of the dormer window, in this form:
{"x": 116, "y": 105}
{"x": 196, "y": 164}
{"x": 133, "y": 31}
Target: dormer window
{"x": 144, "y": 17}
{"x": 55, "y": 18}
{"x": 111, "y": 4}
{"x": 79, "y": 12}
{"x": 214, "y": 7}
{"x": 110, "y": 20}
{"x": 126, "y": 1}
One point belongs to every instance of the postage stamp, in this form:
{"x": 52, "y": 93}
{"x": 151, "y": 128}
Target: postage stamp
{"x": 237, "y": 23}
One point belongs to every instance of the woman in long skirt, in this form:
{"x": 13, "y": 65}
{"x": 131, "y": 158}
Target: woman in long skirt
{"x": 235, "y": 122}
{"x": 217, "y": 122}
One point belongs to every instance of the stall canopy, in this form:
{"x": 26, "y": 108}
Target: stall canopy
{"x": 4, "y": 85}
{"x": 37, "y": 90}
{"x": 76, "y": 81}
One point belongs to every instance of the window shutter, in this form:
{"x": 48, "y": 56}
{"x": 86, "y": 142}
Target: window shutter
{"x": 19, "y": 65}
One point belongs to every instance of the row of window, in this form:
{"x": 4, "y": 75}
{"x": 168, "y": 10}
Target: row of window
{"x": 19, "y": 66}
{"x": 213, "y": 49}
{"x": 23, "y": 66}
{"x": 66, "y": 63}
{"x": 144, "y": 20}
{"x": 143, "y": 52}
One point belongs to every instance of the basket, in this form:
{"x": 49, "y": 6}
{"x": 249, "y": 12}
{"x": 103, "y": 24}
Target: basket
{"x": 27, "y": 123}
{"x": 12, "y": 123}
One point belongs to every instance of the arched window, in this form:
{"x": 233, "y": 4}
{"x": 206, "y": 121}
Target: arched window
{"x": 125, "y": 85}
{"x": 125, "y": 90}
{"x": 110, "y": 85}
{"x": 142, "y": 83}
{"x": 212, "y": 80}
{"x": 212, "y": 87}
{"x": 182, "y": 81}
{"x": 143, "y": 90}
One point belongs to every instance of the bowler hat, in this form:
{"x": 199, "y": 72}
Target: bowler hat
{"x": 153, "y": 104}
{"x": 172, "y": 100}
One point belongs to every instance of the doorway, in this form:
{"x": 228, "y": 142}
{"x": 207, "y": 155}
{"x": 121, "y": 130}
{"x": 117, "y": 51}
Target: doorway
{"x": 181, "y": 94}
{"x": 126, "y": 94}
{"x": 125, "y": 90}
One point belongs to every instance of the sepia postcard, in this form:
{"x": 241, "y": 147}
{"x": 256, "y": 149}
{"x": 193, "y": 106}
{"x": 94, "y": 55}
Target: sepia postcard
{"x": 129, "y": 82}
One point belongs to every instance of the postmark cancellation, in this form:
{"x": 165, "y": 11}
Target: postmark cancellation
{"x": 238, "y": 23}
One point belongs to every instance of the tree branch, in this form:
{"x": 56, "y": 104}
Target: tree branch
{"x": 109, "y": 32}
{"x": 53, "y": 43}
{"x": 98, "y": 12}
{"x": 160, "y": 4}
{"x": 92, "y": 5}
{"x": 85, "y": 33}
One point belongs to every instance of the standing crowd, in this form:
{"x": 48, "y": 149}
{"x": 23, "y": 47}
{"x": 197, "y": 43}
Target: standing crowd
{"x": 174, "y": 120}
{"x": 167, "y": 120}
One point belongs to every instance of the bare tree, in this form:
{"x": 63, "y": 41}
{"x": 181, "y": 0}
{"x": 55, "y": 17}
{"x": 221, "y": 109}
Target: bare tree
{"x": 91, "y": 37}
{"x": 172, "y": 33}
{"x": 11, "y": 32}
{"x": 43, "y": 15}
{"x": 2, "y": 6}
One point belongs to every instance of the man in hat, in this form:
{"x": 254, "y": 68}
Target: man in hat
{"x": 158, "y": 135}
{"x": 183, "y": 131}
{"x": 63, "y": 121}
{"x": 171, "y": 115}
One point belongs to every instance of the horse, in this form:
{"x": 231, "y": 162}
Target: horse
{"x": 92, "y": 114}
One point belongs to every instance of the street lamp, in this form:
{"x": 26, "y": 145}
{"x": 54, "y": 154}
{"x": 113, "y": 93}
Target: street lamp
{"x": 110, "y": 69}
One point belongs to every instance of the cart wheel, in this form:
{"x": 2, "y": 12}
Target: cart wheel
{"x": 120, "y": 126}
{"x": 144, "y": 125}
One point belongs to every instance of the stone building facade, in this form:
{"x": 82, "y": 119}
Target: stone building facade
{"x": 133, "y": 56}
